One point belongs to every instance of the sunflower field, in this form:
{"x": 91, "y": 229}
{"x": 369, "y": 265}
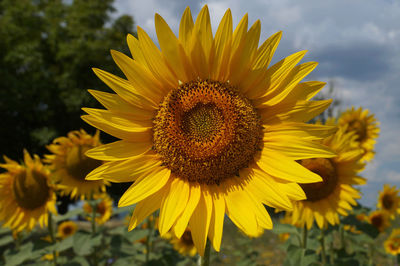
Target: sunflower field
{"x": 201, "y": 152}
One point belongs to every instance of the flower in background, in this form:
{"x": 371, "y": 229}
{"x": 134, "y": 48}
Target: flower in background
{"x": 392, "y": 244}
{"x": 103, "y": 208}
{"x": 183, "y": 245}
{"x": 388, "y": 200}
{"x": 335, "y": 195}
{"x": 66, "y": 229}
{"x": 26, "y": 194}
{"x": 207, "y": 128}
{"x": 366, "y": 129}
{"x": 70, "y": 165}
{"x": 379, "y": 219}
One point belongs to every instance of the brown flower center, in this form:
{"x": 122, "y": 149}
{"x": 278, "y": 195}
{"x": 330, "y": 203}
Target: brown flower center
{"x": 30, "y": 189}
{"x": 67, "y": 230}
{"x": 78, "y": 164}
{"x": 359, "y": 127}
{"x": 206, "y": 131}
{"x": 101, "y": 208}
{"x": 325, "y": 168}
{"x": 187, "y": 238}
{"x": 387, "y": 202}
{"x": 377, "y": 221}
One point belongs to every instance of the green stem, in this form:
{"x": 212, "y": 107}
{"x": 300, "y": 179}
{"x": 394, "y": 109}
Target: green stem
{"x": 205, "y": 260}
{"x": 93, "y": 220}
{"x": 149, "y": 238}
{"x": 305, "y": 233}
{"x": 323, "y": 251}
{"x": 52, "y": 237}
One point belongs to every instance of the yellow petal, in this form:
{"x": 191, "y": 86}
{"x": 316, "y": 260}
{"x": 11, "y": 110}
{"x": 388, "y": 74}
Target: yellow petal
{"x": 301, "y": 111}
{"x": 200, "y": 222}
{"x": 299, "y": 130}
{"x": 117, "y": 104}
{"x": 136, "y": 50}
{"x": 145, "y": 208}
{"x": 119, "y": 150}
{"x": 202, "y": 31}
{"x": 138, "y": 134}
{"x": 183, "y": 220}
{"x": 125, "y": 90}
{"x": 266, "y": 51}
{"x": 185, "y": 29}
{"x": 222, "y": 36}
{"x": 123, "y": 121}
{"x": 281, "y": 167}
{"x": 217, "y": 220}
{"x": 145, "y": 186}
{"x": 173, "y": 204}
{"x": 305, "y": 91}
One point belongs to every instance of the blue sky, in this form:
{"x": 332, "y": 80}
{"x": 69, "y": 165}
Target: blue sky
{"x": 357, "y": 45}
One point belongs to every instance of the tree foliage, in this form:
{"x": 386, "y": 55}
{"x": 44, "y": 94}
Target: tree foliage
{"x": 47, "y": 50}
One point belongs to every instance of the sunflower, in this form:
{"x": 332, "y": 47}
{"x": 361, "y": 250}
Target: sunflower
{"x": 26, "y": 194}
{"x": 70, "y": 165}
{"x": 379, "y": 219}
{"x": 335, "y": 194}
{"x": 183, "y": 245}
{"x": 392, "y": 244}
{"x": 389, "y": 200}
{"x": 366, "y": 128}
{"x": 103, "y": 208}
{"x": 207, "y": 128}
{"x": 66, "y": 229}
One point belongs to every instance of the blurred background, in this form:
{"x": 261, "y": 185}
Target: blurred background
{"x": 47, "y": 50}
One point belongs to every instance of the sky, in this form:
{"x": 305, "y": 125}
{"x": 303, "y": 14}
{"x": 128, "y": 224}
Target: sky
{"x": 357, "y": 45}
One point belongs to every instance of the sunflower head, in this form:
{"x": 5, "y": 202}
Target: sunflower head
{"x": 183, "y": 245}
{"x": 66, "y": 229}
{"x": 103, "y": 208}
{"x": 365, "y": 128}
{"x": 26, "y": 191}
{"x": 392, "y": 244}
{"x": 208, "y": 128}
{"x": 333, "y": 196}
{"x": 70, "y": 165}
{"x": 389, "y": 200}
{"x": 379, "y": 219}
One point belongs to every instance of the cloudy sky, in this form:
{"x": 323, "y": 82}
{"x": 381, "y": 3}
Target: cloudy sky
{"x": 357, "y": 44}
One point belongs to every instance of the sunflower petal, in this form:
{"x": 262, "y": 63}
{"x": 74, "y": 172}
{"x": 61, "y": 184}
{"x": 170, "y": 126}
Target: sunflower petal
{"x": 119, "y": 150}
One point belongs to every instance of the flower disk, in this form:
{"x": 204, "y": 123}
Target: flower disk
{"x": 206, "y": 131}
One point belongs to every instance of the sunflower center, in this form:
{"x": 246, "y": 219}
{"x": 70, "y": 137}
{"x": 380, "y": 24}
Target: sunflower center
{"x": 360, "y": 129}
{"x": 30, "y": 189}
{"x": 78, "y": 164}
{"x": 67, "y": 230}
{"x": 377, "y": 221}
{"x": 101, "y": 208}
{"x": 325, "y": 168}
{"x": 387, "y": 202}
{"x": 206, "y": 131}
{"x": 187, "y": 238}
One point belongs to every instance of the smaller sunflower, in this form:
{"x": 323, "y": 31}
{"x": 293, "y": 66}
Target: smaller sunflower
{"x": 389, "y": 200}
{"x": 379, "y": 219}
{"x": 392, "y": 244}
{"x": 336, "y": 194}
{"x": 70, "y": 165}
{"x": 366, "y": 128}
{"x": 103, "y": 208}
{"x": 183, "y": 245}
{"x": 26, "y": 194}
{"x": 66, "y": 229}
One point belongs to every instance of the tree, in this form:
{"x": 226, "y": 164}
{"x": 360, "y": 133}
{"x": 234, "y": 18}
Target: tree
{"x": 47, "y": 50}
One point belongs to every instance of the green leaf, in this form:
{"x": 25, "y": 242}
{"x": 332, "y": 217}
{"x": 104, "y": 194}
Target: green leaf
{"x": 7, "y": 239}
{"x": 18, "y": 257}
{"x": 83, "y": 243}
{"x": 68, "y": 215}
{"x": 284, "y": 228}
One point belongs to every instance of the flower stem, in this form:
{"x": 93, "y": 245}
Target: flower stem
{"x": 205, "y": 260}
{"x": 93, "y": 220}
{"x": 305, "y": 233}
{"x": 52, "y": 237}
{"x": 323, "y": 251}
{"x": 149, "y": 238}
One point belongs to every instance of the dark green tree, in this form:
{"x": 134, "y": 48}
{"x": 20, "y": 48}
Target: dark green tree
{"x": 47, "y": 50}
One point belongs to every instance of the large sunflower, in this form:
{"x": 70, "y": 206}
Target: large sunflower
{"x": 366, "y": 128}
{"x": 26, "y": 194}
{"x": 207, "y": 128}
{"x": 335, "y": 194}
{"x": 389, "y": 200}
{"x": 70, "y": 165}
